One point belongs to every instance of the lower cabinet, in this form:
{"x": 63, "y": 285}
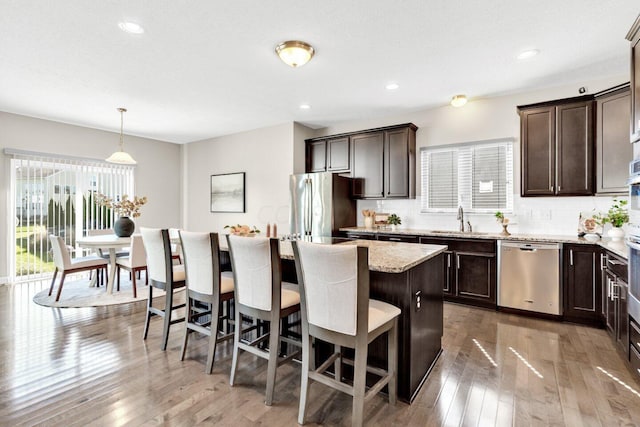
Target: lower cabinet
{"x": 614, "y": 280}
{"x": 581, "y": 284}
{"x": 469, "y": 270}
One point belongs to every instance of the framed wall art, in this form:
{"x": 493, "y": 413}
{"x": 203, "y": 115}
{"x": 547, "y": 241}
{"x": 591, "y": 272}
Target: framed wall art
{"x": 227, "y": 192}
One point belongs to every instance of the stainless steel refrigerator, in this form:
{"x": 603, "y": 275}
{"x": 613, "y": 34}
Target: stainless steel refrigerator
{"x": 321, "y": 204}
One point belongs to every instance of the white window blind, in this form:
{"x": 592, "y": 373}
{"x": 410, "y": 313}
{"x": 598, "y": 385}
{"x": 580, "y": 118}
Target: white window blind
{"x": 55, "y": 195}
{"x": 477, "y": 176}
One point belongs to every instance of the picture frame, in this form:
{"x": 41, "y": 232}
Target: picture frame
{"x": 228, "y": 192}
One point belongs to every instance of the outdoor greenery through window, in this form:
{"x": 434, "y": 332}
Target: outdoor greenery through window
{"x": 477, "y": 176}
{"x": 55, "y": 195}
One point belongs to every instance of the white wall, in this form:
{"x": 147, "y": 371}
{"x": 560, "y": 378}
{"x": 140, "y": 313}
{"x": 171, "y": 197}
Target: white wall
{"x": 158, "y": 172}
{"x": 483, "y": 119}
{"x": 265, "y": 155}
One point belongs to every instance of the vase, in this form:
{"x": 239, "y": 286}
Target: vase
{"x": 394, "y": 227}
{"x": 368, "y": 222}
{"x": 505, "y": 232}
{"x": 124, "y": 226}
{"x": 616, "y": 233}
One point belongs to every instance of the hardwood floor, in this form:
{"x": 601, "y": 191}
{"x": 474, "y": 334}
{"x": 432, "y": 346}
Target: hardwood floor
{"x": 90, "y": 366}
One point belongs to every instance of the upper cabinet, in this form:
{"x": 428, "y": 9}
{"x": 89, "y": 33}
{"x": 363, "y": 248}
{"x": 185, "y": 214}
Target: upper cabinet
{"x": 557, "y": 148}
{"x": 328, "y": 155}
{"x": 634, "y": 37}
{"x": 383, "y": 160}
{"x": 613, "y": 151}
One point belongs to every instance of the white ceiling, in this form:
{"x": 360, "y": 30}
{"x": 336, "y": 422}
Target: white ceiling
{"x": 208, "y": 68}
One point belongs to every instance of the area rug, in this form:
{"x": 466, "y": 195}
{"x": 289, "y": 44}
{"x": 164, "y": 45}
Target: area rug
{"x": 79, "y": 294}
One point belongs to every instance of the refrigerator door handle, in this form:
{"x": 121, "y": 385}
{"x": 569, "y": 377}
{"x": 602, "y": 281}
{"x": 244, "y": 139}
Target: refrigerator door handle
{"x": 308, "y": 208}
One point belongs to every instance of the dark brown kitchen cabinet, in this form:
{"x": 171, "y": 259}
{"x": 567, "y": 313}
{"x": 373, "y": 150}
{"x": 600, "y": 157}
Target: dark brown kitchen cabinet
{"x": 613, "y": 151}
{"x": 634, "y": 37}
{"x": 557, "y": 148}
{"x": 328, "y": 155}
{"x": 616, "y": 291}
{"x": 368, "y": 164}
{"x": 469, "y": 270}
{"x": 383, "y": 162}
{"x": 581, "y": 284}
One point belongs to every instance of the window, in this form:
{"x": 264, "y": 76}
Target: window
{"x": 477, "y": 176}
{"x": 55, "y": 195}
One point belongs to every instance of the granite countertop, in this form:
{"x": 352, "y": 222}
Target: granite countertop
{"x": 385, "y": 257}
{"x": 617, "y": 247}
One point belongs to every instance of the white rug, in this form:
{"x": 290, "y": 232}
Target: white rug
{"x": 79, "y": 294}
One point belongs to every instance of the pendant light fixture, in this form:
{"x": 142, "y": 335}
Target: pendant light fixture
{"x": 121, "y": 157}
{"x": 295, "y": 53}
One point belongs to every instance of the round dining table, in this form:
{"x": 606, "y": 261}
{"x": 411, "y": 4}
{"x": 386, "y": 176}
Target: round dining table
{"x": 109, "y": 242}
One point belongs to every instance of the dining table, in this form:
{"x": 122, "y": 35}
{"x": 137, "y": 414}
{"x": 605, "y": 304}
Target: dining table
{"x": 109, "y": 242}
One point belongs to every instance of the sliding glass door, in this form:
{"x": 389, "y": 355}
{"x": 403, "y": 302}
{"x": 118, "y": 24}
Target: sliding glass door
{"x": 56, "y": 195}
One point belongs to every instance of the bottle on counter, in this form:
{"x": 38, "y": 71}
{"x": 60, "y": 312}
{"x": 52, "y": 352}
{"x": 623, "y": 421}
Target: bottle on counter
{"x": 268, "y": 230}
{"x": 275, "y": 230}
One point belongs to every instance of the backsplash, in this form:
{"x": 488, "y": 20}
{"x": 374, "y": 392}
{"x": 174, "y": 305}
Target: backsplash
{"x": 539, "y": 215}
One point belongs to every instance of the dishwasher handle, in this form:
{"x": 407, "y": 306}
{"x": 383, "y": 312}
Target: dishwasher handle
{"x": 528, "y": 246}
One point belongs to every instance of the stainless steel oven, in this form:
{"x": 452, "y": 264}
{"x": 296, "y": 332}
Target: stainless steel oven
{"x": 633, "y": 240}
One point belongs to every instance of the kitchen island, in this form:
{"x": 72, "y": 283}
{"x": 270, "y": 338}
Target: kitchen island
{"x": 409, "y": 276}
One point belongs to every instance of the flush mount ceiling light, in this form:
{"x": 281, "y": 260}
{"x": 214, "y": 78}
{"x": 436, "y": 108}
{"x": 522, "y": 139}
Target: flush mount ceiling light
{"x": 458, "y": 100}
{"x": 295, "y": 53}
{"x": 131, "y": 27}
{"x": 120, "y": 157}
{"x": 305, "y": 106}
{"x": 526, "y": 54}
{"x": 392, "y": 86}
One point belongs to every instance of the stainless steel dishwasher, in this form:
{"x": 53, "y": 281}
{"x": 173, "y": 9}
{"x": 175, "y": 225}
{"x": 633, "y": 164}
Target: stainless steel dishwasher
{"x": 529, "y": 276}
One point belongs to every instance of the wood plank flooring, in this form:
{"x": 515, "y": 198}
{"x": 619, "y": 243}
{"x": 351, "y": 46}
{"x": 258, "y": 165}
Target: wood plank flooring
{"x": 90, "y": 366}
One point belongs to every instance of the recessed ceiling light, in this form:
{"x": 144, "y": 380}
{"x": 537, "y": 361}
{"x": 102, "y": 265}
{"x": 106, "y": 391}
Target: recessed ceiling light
{"x": 131, "y": 27}
{"x": 305, "y": 106}
{"x": 392, "y": 86}
{"x": 458, "y": 100}
{"x": 526, "y": 54}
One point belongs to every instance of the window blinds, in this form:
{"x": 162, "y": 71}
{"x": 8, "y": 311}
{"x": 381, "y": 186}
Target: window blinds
{"x": 477, "y": 176}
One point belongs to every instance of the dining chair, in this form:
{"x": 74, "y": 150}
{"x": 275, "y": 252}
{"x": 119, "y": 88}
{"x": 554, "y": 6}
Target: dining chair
{"x": 134, "y": 263}
{"x": 205, "y": 284}
{"x": 335, "y": 308}
{"x": 261, "y": 294}
{"x": 67, "y": 265}
{"x": 162, "y": 275}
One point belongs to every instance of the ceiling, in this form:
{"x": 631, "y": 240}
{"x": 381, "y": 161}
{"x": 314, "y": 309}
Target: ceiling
{"x": 207, "y": 68}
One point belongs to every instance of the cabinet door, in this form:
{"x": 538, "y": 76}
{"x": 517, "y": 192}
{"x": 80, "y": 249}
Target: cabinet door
{"x": 475, "y": 276}
{"x": 611, "y": 315}
{"x": 399, "y": 156}
{"x": 574, "y": 150}
{"x": 537, "y": 134}
{"x": 367, "y": 166}
{"x": 581, "y": 285}
{"x": 338, "y": 154}
{"x": 622, "y": 332}
{"x": 317, "y": 156}
{"x": 449, "y": 274}
{"x": 613, "y": 151}
{"x": 635, "y": 88}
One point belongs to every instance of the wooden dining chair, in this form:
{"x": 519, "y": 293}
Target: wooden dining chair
{"x": 67, "y": 265}
{"x": 162, "y": 275}
{"x": 205, "y": 284}
{"x": 261, "y": 294}
{"x": 335, "y": 308}
{"x": 134, "y": 263}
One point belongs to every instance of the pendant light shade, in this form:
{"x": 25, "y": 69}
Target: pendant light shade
{"x": 121, "y": 157}
{"x": 295, "y": 53}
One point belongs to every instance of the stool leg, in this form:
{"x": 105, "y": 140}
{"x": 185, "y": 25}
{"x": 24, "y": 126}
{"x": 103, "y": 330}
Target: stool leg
{"x": 272, "y": 365}
{"x": 307, "y": 354}
{"x": 393, "y": 361}
{"x": 236, "y": 345}
{"x": 359, "y": 382}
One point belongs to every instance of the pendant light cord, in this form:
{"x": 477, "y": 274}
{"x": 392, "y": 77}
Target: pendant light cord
{"x": 122, "y": 111}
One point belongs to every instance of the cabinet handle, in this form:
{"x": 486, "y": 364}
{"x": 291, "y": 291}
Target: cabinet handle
{"x": 457, "y": 262}
{"x": 551, "y": 188}
{"x": 570, "y": 256}
{"x": 395, "y": 239}
{"x": 603, "y": 261}
{"x": 614, "y": 262}
{"x": 448, "y": 260}
{"x": 559, "y": 187}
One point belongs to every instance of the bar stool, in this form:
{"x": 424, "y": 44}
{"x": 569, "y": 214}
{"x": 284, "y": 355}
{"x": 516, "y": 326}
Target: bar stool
{"x": 163, "y": 275}
{"x": 261, "y": 294}
{"x": 205, "y": 283}
{"x": 334, "y": 296}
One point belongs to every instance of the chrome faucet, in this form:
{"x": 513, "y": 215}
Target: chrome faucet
{"x": 460, "y": 218}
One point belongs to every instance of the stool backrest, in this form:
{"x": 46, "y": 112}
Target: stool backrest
{"x": 256, "y": 270}
{"x": 156, "y": 244}
{"x": 61, "y": 257}
{"x": 334, "y": 280}
{"x": 201, "y": 261}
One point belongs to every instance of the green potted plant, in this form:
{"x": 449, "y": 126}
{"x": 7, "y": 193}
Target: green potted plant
{"x": 617, "y": 216}
{"x": 394, "y": 221}
{"x": 504, "y": 221}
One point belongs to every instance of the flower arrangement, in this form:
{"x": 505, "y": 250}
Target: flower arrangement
{"x": 617, "y": 216}
{"x": 501, "y": 218}
{"x": 242, "y": 230}
{"x": 123, "y": 207}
